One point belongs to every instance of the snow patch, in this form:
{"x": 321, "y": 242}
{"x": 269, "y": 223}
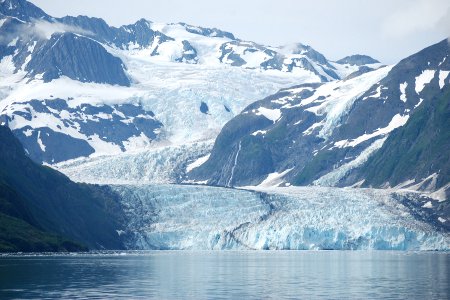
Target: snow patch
{"x": 2, "y": 21}
{"x": 442, "y": 76}
{"x": 200, "y": 161}
{"x": 28, "y": 132}
{"x": 311, "y": 128}
{"x": 271, "y": 114}
{"x": 418, "y": 103}
{"x": 262, "y": 132}
{"x": 254, "y": 59}
{"x": 342, "y": 96}
{"x": 137, "y": 142}
{"x": 405, "y": 184}
{"x": 397, "y": 121}
{"x": 332, "y": 178}
{"x": 274, "y": 179}
{"x": 403, "y": 91}
{"x": 377, "y": 93}
{"x": 428, "y": 205}
{"x": 13, "y": 42}
{"x": 423, "y": 79}
{"x": 39, "y": 141}
{"x": 440, "y": 195}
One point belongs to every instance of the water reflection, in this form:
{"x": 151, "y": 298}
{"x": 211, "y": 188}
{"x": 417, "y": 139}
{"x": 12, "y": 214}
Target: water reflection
{"x": 229, "y": 275}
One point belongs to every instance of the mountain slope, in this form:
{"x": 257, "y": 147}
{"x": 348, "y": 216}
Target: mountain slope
{"x": 52, "y": 131}
{"x": 320, "y": 134}
{"x": 417, "y": 153}
{"x": 44, "y": 203}
{"x": 284, "y": 133}
{"x": 187, "y": 79}
{"x": 17, "y": 235}
{"x": 22, "y": 10}
{"x": 172, "y": 42}
{"x": 60, "y": 56}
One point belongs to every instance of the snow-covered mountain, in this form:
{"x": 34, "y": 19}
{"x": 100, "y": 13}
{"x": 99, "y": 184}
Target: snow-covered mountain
{"x": 63, "y": 81}
{"x": 75, "y": 87}
{"x": 325, "y": 133}
{"x": 152, "y": 103}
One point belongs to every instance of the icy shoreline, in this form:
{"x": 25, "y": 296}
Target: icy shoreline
{"x": 185, "y": 217}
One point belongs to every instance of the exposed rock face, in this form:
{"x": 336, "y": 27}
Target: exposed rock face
{"x": 358, "y": 60}
{"x": 324, "y": 134}
{"x": 116, "y": 125}
{"x": 78, "y": 58}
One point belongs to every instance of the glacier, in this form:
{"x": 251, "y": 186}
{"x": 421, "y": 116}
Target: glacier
{"x": 160, "y": 84}
{"x": 192, "y": 217}
{"x": 170, "y": 71}
{"x": 161, "y": 164}
{"x": 176, "y": 105}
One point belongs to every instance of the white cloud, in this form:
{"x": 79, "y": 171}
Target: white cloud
{"x": 41, "y": 29}
{"x": 44, "y": 29}
{"x": 417, "y": 16}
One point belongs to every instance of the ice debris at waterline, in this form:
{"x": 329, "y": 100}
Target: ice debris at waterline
{"x": 199, "y": 217}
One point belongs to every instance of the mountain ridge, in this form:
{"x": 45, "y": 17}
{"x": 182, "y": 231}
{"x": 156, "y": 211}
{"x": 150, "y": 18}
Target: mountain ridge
{"x": 50, "y": 211}
{"x": 315, "y": 135}
{"x": 142, "y": 105}
{"x": 337, "y": 116}
{"x": 157, "y": 67}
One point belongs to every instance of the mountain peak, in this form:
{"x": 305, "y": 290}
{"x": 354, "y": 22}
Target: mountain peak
{"x": 22, "y": 9}
{"x": 211, "y": 32}
{"x": 357, "y": 59}
{"x": 95, "y": 65}
{"x": 143, "y": 21}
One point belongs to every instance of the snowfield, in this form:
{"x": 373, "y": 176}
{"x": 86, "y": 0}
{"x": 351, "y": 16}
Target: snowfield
{"x": 172, "y": 91}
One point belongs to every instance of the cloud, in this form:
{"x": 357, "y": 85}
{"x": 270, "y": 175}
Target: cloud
{"x": 44, "y": 29}
{"x": 40, "y": 29}
{"x": 417, "y": 16}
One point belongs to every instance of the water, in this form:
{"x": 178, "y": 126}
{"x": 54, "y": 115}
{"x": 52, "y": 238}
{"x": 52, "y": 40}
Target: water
{"x": 228, "y": 275}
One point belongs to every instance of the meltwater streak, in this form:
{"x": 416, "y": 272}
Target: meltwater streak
{"x": 298, "y": 218}
{"x": 229, "y": 275}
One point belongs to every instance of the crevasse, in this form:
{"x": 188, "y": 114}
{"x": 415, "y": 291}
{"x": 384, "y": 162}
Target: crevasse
{"x": 210, "y": 218}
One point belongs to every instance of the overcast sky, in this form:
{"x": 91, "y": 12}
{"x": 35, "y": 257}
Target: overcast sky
{"x": 388, "y": 30}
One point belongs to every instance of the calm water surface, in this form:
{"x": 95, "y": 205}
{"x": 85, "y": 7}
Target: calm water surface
{"x": 228, "y": 275}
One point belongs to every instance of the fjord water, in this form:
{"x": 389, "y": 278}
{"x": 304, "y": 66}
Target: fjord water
{"x": 228, "y": 275}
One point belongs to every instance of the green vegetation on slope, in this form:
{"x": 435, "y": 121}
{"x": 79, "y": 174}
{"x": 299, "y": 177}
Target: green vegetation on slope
{"x": 17, "y": 235}
{"x": 41, "y": 206}
{"x": 416, "y": 150}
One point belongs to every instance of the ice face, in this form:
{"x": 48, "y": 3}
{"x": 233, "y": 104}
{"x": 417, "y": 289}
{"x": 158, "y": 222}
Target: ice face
{"x": 158, "y": 165}
{"x": 199, "y": 217}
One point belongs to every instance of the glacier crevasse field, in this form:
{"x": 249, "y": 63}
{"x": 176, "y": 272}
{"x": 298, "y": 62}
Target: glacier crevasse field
{"x": 312, "y": 218}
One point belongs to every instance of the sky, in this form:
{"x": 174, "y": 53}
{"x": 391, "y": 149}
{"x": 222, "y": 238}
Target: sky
{"x": 387, "y": 30}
